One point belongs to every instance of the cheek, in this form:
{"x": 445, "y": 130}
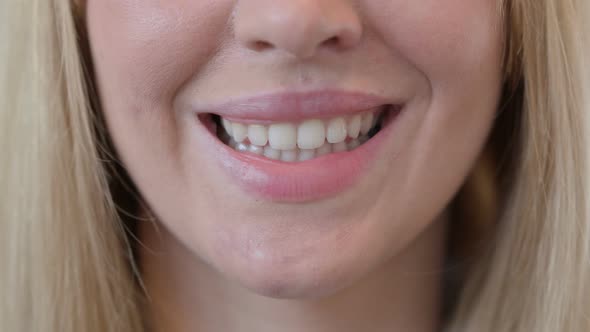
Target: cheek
{"x": 448, "y": 40}
{"x": 148, "y": 49}
{"x": 456, "y": 46}
{"x": 143, "y": 54}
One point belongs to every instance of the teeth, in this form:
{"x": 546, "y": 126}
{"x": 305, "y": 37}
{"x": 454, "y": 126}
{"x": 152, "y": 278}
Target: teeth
{"x": 311, "y": 134}
{"x": 232, "y": 143}
{"x": 227, "y": 126}
{"x": 353, "y": 144}
{"x": 258, "y": 135}
{"x": 306, "y": 154}
{"x": 339, "y": 147}
{"x": 298, "y": 154}
{"x": 336, "y": 131}
{"x": 259, "y": 150}
{"x": 242, "y": 147}
{"x": 272, "y": 153}
{"x": 282, "y": 136}
{"x": 324, "y": 149}
{"x": 307, "y": 140}
{"x": 366, "y": 123}
{"x": 289, "y": 155}
{"x": 354, "y": 126}
{"x": 239, "y": 132}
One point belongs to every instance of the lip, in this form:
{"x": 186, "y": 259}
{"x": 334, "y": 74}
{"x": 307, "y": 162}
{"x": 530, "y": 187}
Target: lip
{"x": 294, "y": 106}
{"x": 305, "y": 181}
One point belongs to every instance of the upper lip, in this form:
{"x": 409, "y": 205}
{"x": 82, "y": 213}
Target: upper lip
{"x": 293, "y": 106}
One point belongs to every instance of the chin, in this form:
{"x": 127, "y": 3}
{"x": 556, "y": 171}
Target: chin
{"x": 288, "y": 267}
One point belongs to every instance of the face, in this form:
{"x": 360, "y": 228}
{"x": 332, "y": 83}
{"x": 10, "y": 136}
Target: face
{"x": 296, "y": 146}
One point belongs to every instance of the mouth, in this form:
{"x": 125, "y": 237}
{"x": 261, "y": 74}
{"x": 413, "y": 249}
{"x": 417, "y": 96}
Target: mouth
{"x": 300, "y": 141}
{"x": 298, "y": 148}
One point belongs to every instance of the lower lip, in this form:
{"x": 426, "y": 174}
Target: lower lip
{"x": 304, "y": 181}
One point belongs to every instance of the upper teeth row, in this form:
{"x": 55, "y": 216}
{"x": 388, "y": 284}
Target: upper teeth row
{"x": 309, "y": 134}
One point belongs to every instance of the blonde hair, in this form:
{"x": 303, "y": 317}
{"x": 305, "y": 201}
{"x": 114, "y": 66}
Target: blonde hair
{"x": 65, "y": 260}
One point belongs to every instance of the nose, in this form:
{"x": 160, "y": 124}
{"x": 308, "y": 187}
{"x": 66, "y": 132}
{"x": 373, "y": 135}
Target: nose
{"x": 299, "y": 27}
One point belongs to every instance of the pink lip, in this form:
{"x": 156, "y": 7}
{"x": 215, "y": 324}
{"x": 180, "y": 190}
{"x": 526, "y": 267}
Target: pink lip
{"x": 292, "y": 107}
{"x": 301, "y": 181}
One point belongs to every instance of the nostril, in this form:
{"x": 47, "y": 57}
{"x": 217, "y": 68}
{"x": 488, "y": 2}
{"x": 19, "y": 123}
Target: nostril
{"x": 334, "y": 41}
{"x": 260, "y": 45}
{"x": 299, "y": 27}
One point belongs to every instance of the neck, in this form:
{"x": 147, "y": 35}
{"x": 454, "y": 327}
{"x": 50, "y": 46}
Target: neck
{"x": 185, "y": 294}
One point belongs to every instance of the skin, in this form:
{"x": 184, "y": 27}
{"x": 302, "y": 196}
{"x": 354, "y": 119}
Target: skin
{"x": 218, "y": 259}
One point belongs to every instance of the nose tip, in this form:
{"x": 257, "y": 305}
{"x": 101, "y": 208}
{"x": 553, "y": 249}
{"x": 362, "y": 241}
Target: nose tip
{"x": 298, "y": 27}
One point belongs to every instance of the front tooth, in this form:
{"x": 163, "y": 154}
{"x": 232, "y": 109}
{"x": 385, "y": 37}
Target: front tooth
{"x": 354, "y": 126}
{"x": 258, "y": 134}
{"x": 367, "y": 123}
{"x": 282, "y": 136}
{"x": 336, "y": 131}
{"x": 324, "y": 149}
{"x": 311, "y": 134}
{"x": 289, "y": 155}
{"x": 240, "y": 132}
{"x": 227, "y": 126}
{"x": 306, "y": 154}
{"x": 339, "y": 147}
{"x": 271, "y": 153}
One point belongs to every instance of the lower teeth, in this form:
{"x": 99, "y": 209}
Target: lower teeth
{"x": 297, "y": 154}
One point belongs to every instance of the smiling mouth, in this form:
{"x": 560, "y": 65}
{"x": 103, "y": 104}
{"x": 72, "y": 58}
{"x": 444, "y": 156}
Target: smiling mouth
{"x": 296, "y": 147}
{"x": 303, "y": 140}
